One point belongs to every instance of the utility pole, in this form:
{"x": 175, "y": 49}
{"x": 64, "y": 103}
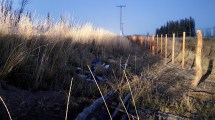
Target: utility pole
{"x": 121, "y": 23}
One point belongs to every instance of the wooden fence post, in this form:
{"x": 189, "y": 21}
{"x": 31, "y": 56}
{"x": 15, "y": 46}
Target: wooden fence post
{"x": 161, "y": 45}
{"x": 183, "y": 49}
{"x": 148, "y": 42}
{"x": 157, "y": 45}
{"x": 153, "y": 45}
{"x": 173, "y": 48}
{"x": 142, "y": 39}
{"x": 166, "y": 45}
{"x": 198, "y": 61}
{"x": 145, "y": 42}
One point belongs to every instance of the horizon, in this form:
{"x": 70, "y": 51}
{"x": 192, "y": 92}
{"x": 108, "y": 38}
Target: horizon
{"x": 139, "y": 17}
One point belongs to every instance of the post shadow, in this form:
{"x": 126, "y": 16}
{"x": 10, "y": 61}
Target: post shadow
{"x": 209, "y": 71}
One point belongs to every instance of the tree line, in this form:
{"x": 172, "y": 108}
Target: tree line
{"x": 178, "y": 27}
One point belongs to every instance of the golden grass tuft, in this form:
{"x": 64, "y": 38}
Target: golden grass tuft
{"x": 25, "y": 27}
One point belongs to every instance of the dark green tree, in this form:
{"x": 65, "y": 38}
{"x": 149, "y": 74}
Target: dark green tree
{"x": 178, "y": 27}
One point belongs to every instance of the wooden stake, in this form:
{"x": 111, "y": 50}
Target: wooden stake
{"x": 145, "y": 42}
{"x": 142, "y": 39}
{"x": 166, "y": 45}
{"x": 198, "y": 61}
{"x": 148, "y": 42}
{"x": 161, "y": 45}
{"x": 183, "y": 50}
{"x": 157, "y": 45}
{"x": 134, "y": 38}
{"x": 153, "y": 45}
{"x": 173, "y": 48}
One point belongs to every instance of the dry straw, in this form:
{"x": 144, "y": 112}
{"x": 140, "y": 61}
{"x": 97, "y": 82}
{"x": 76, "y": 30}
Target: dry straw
{"x": 6, "y": 108}
{"x": 132, "y": 96}
{"x": 124, "y": 107}
{"x": 68, "y": 100}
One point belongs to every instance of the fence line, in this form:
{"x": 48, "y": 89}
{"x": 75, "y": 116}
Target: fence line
{"x": 153, "y": 45}
{"x": 208, "y": 32}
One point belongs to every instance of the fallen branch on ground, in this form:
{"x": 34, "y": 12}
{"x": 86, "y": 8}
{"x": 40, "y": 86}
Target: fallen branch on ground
{"x": 120, "y": 105}
{"x": 87, "y": 111}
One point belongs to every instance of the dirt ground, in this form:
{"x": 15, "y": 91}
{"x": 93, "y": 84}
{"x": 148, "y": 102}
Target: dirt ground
{"x": 168, "y": 82}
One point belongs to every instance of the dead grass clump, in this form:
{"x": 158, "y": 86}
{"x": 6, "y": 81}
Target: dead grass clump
{"x": 25, "y": 27}
{"x": 42, "y": 54}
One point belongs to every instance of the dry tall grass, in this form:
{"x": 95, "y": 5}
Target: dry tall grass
{"x": 45, "y": 54}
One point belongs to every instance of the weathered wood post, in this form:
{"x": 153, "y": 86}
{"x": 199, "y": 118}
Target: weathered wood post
{"x": 153, "y": 45}
{"x": 148, "y": 42}
{"x": 145, "y": 42}
{"x": 142, "y": 39}
{"x": 166, "y": 45}
{"x": 134, "y": 38}
{"x": 183, "y": 49}
{"x": 157, "y": 45}
{"x": 173, "y": 48}
{"x": 161, "y": 45}
{"x": 198, "y": 61}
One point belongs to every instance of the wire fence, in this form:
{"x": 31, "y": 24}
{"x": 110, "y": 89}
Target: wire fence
{"x": 189, "y": 52}
{"x": 208, "y": 32}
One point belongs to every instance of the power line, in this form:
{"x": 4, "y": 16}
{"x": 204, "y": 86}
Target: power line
{"x": 121, "y": 23}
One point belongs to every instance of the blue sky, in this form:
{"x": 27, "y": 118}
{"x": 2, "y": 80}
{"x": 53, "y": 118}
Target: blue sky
{"x": 139, "y": 16}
